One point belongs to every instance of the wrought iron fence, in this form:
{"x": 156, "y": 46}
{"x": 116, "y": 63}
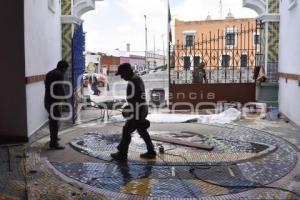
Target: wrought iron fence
{"x": 230, "y": 56}
{"x": 219, "y": 75}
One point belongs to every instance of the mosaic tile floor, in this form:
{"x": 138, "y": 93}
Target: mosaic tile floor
{"x": 12, "y": 181}
{"x": 242, "y": 159}
{"x": 157, "y": 181}
{"x": 241, "y": 162}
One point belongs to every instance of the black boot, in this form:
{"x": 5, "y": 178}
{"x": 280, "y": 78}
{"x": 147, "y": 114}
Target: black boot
{"x": 119, "y": 156}
{"x": 148, "y": 155}
{"x": 56, "y": 146}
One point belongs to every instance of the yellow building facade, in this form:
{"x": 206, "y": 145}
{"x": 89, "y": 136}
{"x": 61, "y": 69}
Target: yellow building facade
{"x": 229, "y": 44}
{"x": 219, "y": 43}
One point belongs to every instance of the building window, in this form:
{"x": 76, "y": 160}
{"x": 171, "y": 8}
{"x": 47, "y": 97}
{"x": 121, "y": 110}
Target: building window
{"x": 186, "y": 62}
{"x": 189, "y": 40}
{"x": 196, "y": 61}
{"x": 225, "y": 60}
{"x": 230, "y": 39}
{"x": 230, "y": 35}
{"x": 256, "y": 39}
{"x": 244, "y": 60}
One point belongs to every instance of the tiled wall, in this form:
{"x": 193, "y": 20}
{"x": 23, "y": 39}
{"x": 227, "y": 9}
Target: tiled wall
{"x": 273, "y": 6}
{"x": 273, "y": 41}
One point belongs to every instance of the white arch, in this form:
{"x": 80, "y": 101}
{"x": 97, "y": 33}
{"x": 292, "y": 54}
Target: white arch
{"x": 79, "y": 8}
{"x": 258, "y": 6}
{"x": 83, "y": 6}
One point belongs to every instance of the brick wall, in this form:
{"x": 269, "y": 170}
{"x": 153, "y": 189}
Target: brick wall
{"x": 111, "y": 63}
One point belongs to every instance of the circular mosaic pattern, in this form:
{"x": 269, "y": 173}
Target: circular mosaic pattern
{"x": 241, "y": 159}
{"x": 181, "y": 148}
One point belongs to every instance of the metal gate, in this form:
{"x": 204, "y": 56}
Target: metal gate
{"x": 218, "y": 67}
{"x": 77, "y": 68}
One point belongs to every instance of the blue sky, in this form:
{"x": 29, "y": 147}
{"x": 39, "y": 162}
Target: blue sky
{"x": 117, "y": 22}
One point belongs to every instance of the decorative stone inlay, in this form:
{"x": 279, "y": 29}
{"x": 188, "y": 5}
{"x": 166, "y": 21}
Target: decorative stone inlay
{"x": 189, "y": 172}
{"x": 101, "y": 145}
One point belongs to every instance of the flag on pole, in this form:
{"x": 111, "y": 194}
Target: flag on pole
{"x": 169, "y": 23}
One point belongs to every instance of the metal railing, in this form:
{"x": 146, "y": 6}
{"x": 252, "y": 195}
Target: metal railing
{"x": 230, "y": 56}
{"x": 219, "y": 75}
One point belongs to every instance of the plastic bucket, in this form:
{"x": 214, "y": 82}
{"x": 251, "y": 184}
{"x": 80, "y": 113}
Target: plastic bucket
{"x": 273, "y": 113}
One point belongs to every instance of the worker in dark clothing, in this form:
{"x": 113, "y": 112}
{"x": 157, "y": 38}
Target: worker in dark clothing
{"x": 136, "y": 100}
{"x": 199, "y": 74}
{"x": 202, "y": 73}
{"x": 52, "y": 97}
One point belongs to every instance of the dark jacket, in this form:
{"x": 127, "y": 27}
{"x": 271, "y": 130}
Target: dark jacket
{"x": 58, "y": 89}
{"x": 136, "y": 96}
{"x": 199, "y": 75}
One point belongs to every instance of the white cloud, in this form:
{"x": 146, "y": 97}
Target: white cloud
{"x": 124, "y": 28}
{"x": 117, "y": 22}
{"x": 156, "y": 20}
{"x": 199, "y": 9}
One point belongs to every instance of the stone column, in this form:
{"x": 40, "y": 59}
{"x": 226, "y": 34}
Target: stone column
{"x": 72, "y": 10}
{"x": 268, "y": 11}
{"x": 270, "y": 38}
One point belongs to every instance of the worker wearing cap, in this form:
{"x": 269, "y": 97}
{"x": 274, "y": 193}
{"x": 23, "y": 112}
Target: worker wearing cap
{"x": 136, "y": 100}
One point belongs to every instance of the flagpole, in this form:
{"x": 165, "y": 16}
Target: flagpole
{"x": 169, "y": 47}
{"x": 169, "y": 41}
{"x": 146, "y": 68}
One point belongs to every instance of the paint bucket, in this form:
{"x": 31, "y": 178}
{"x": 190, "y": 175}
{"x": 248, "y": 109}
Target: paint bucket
{"x": 273, "y": 113}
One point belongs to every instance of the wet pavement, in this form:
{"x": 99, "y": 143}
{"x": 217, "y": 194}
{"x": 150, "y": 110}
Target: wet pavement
{"x": 249, "y": 160}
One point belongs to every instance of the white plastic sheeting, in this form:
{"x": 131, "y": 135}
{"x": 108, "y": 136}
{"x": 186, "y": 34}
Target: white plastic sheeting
{"x": 227, "y": 116}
